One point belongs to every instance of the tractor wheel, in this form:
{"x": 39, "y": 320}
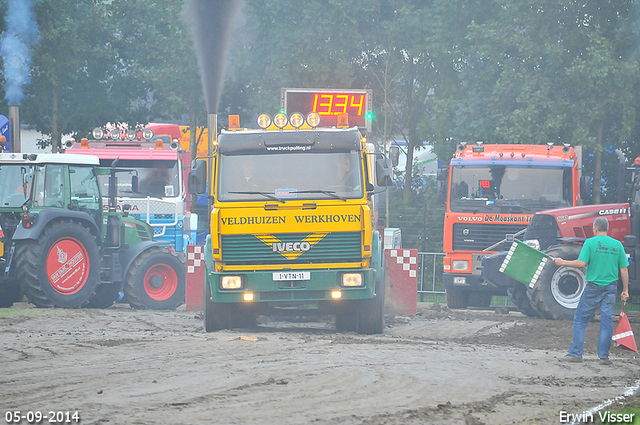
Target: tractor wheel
{"x": 61, "y": 268}
{"x": 156, "y": 280}
{"x": 9, "y": 293}
{"x": 557, "y": 292}
{"x": 519, "y": 297}
{"x": 457, "y": 298}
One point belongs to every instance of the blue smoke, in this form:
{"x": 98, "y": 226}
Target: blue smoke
{"x": 15, "y": 48}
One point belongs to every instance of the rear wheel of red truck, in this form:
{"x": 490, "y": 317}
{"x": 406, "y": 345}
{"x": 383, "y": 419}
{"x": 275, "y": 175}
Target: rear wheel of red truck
{"x": 557, "y": 292}
{"x": 457, "y": 298}
{"x": 61, "y": 268}
{"x": 156, "y": 280}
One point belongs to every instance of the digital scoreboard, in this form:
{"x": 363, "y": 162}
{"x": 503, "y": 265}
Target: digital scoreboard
{"x": 329, "y": 104}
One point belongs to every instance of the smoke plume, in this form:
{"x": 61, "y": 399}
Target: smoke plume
{"x": 15, "y": 48}
{"x": 211, "y": 22}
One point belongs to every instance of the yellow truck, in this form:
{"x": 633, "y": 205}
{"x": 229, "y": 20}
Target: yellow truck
{"x": 293, "y": 224}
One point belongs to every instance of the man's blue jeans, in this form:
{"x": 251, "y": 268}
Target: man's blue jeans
{"x": 592, "y": 297}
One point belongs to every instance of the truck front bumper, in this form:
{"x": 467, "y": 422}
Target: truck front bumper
{"x": 321, "y": 286}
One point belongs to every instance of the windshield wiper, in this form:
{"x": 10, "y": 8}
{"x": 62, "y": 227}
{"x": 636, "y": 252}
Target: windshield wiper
{"x": 265, "y": 194}
{"x": 324, "y": 192}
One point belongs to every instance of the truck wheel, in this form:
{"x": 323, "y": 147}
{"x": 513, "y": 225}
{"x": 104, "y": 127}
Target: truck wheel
{"x": 156, "y": 280}
{"x": 9, "y": 293}
{"x": 61, "y": 268}
{"x": 216, "y": 315}
{"x": 519, "y": 297}
{"x": 479, "y": 299}
{"x": 557, "y": 292}
{"x": 457, "y": 298}
{"x": 345, "y": 319}
{"x": 370, "y": 313}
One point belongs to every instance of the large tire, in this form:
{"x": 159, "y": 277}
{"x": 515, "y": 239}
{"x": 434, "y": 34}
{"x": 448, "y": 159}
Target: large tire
{"x": 479, "y": 299}
{"x": 457, "y": 298}
{"x": 218, "y": 316}
{"x": 370, "y": 313}
{"x": 10, "y": 293}
{"x": 557, "y": 292}
{"x": 519, "y": 297}
{"x": 61, "y": 268}
{"x": 345, "y": 319}
{"x": 156, "y": 280}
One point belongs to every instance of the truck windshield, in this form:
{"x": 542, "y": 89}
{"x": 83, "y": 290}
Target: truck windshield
{"x": 282, "y": 177}
{"x": 160, "y": 179}
{"x": 16, "y": 184}
{"x": 506, "y": 189}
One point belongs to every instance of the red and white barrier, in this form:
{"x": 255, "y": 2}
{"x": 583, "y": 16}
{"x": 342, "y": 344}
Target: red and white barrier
{"x": 195, "y": 278}
{"x": 401, "y": 288}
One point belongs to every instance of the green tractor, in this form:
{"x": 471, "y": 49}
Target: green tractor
{"x": 60, "y": 248}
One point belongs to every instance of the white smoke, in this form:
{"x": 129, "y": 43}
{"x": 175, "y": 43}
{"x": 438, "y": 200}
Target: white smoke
{"x": 15, "y": 48}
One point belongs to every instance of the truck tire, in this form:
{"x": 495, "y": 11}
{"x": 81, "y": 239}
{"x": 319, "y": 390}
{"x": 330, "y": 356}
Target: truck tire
{"x": 10, "y": 293}
{"x": 519, "y": 297}
{"x": 479, "y": 299}
{"x": 216, "y": 315}
{"x": 345, "y": 319}
{"x": 557, "y": 292}
{"x": 457, "y": 298}
{"x": 370, "y": 313}
{"x": 61, "y": 268}
{"x": 156, "y": 280}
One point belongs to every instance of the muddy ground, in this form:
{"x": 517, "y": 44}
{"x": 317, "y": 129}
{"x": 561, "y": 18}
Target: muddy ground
{"x": 122, "y": 366}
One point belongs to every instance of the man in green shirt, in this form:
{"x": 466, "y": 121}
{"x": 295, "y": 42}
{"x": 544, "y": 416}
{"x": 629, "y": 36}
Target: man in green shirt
{"x": 604, "y": 258}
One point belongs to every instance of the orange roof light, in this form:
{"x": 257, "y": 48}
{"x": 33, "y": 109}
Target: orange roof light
{"x": 234, "y": 122}
{"x": 84, "y": 143}
{"x": 159, "y": 144}
{"x": 343, "y": 121}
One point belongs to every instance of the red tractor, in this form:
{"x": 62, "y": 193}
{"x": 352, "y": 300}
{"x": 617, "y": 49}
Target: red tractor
{"x": 561, "y": 233}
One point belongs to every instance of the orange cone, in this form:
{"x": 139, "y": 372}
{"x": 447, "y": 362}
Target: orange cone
{"x": 623, "y": 336}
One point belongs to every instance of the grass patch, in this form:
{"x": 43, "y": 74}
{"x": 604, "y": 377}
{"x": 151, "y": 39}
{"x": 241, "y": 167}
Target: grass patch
{"x": 13, "y": 312}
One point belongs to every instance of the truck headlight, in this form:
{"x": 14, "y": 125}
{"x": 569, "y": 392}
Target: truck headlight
{"x": 533, "y": 243}
{"x": 231, "y": 282}
{"x": 460, "y": 265}
{"x": 352, "y": 279}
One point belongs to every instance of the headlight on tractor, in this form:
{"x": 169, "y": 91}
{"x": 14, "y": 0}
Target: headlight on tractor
{"x": 352, "y": 280}
{"x": 231, "y": 282}
{"x": 534, "y": 243}
{"x": 460, "y": 265}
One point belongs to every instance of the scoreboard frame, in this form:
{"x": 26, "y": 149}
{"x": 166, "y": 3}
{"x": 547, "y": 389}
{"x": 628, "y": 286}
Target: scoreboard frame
{"x": 357, "y": 103}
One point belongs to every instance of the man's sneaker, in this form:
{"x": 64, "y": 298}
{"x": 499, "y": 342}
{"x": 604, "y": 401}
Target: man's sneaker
{"x": 604, "y": 362}
{"x": 570, "y": 359}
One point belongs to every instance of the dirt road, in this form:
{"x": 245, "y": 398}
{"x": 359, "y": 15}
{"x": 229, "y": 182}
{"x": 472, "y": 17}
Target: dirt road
{"x": 122, "y": 366}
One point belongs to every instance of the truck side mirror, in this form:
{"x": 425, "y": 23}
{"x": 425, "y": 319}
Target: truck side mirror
{"x": 134, "y": 184}
{"x": 198, "y": 177}
{"x": 394, "y": 154}
{"x": 442, "y": 192}
{"x": 384, "y": 173}
{"x": 443, "y": 173}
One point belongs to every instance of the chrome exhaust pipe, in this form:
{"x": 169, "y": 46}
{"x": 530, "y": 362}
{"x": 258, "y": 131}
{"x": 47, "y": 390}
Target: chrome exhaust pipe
{"x": 14, "y": 128}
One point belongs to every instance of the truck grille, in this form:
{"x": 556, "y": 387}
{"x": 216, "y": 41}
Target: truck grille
{"x": 332, "y": 248}
{"x": 477, "y": 237}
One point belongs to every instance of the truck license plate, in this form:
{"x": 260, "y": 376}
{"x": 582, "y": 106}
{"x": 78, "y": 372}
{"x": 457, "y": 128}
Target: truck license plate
{"x": 280, "y": 276}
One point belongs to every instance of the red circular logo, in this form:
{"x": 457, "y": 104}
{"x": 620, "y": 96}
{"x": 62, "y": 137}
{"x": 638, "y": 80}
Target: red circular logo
{"x": 67, "y": 266}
